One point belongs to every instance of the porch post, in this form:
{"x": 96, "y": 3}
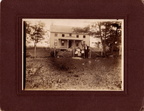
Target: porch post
{"x": 74, "y": 48}
{"x": 74, "y": 44}
{"x": 67, "y": 43}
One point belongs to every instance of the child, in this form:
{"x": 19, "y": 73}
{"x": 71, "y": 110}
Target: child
{"x": 82, "y": 52}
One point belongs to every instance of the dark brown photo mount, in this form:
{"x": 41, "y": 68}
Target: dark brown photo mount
{"x": 13, "y": 98}
{"x": 20, "y": 46}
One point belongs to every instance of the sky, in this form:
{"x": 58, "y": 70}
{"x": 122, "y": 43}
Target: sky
{"x": 68, "y": 22}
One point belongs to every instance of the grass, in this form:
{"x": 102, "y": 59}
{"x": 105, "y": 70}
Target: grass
{"x": 47, "y": 73}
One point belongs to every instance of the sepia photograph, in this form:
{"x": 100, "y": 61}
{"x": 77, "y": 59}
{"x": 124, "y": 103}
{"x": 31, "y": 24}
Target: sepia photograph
{"x": 73, "y": 54}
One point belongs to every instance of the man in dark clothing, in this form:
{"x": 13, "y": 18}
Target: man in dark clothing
{"x": 86, "y": 51}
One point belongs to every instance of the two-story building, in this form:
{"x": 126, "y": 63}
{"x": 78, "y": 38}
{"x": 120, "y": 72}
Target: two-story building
{"x": 63, "y": 37}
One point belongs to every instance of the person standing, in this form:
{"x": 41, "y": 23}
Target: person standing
{"x": 82, "y": 53}
{"x": 86, "y": 51}
{"x": 89, "y": 52}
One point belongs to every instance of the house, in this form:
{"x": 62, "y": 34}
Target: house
{"x": 63, "y": 37}
{"x": 95, "y": 43}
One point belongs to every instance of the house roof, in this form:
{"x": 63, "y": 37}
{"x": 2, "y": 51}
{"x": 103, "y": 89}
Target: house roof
{"x": 62, "y": 29}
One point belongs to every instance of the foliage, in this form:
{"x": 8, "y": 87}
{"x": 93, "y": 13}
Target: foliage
{"x": 108, "y": 31}
{"x": 81, "y": 30}
{"x": 112, "y": 32}
{"x": 34, "y": 32}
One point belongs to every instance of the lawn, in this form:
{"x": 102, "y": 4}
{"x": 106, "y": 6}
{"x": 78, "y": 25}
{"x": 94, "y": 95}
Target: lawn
{"x": 47, "y": 73}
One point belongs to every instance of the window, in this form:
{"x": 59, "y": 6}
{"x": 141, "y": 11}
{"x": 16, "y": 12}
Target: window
{"x": 77, "y": 36}
{"x": 63, "y": 35}
{"x": 70, "y": 34}
{"x": 62, "y": 43}
{"x": 56, "y": 34}
{"x": 84, "y": 36}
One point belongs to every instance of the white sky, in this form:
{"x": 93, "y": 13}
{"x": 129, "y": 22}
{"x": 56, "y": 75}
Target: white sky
{"x": 68, "y": 22}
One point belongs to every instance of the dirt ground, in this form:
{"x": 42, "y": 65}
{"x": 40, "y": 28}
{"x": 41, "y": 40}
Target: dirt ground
{"x": 47, "y": 73}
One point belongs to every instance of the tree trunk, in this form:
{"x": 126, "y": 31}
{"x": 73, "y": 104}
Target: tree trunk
{"x": 112, "y": 48}
{"x": 113, "y": 44}
{"x": 35, "y": 50}
{"x": 103, "y": 45}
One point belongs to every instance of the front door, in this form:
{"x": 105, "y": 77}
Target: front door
{"x": 70, "y": 43}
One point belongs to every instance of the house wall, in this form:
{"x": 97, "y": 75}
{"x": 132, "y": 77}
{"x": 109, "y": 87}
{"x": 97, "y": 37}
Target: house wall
{"x": 54, "y": 40}
{"x": 54, "y": 36}
{"x": 64, "y": 44}
{"x": 96, "y": 44}
{"x": 86, "y": 39}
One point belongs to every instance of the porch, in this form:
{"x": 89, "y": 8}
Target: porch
{"x": 70, "y": 43}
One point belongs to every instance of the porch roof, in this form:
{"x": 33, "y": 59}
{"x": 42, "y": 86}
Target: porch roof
{"x": 62, "y": 38}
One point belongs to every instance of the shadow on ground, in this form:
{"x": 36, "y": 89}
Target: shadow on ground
{"x": 73, "y": 74}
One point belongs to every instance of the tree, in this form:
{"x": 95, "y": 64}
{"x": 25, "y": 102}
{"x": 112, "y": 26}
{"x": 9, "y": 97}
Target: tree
{"x": 34, "y": 33}
{"x": 110, "y": 35}
{"x": 116, "y": 36}
{"x": 108, "y": 31}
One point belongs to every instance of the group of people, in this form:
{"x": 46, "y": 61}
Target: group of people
{"x": 82, "y": 52}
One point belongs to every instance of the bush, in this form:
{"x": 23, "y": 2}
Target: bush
{"x": 28, "y": 54}
{"x": 52, "y": 52}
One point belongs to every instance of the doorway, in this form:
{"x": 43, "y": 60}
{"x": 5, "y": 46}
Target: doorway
{"x": 70, "y": 43}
